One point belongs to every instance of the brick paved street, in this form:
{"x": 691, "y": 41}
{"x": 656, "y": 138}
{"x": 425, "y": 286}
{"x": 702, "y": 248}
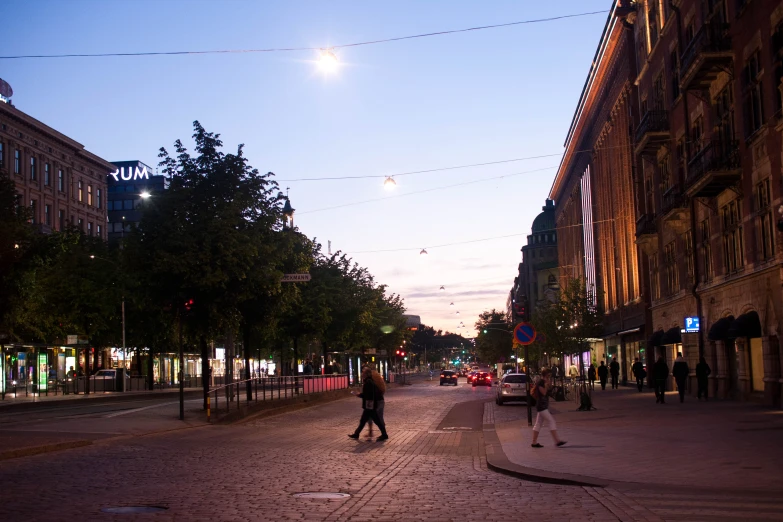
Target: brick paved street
{"x": 433, "y": 468}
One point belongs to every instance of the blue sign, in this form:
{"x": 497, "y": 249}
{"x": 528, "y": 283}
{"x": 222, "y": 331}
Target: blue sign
{"x": 524, "y": 334}
{"x": 691, "y": 324}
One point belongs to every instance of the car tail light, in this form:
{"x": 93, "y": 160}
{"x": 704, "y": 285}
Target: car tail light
{"x": 507, "y": 386}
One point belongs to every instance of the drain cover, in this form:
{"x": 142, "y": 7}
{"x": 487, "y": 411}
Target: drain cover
{"x": 322, "y": 495}
{"x": 133, "y": 510}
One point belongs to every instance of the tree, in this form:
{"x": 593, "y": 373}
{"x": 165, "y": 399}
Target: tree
{"x": 494, "y": 341}
{"x": 570, "y": 321}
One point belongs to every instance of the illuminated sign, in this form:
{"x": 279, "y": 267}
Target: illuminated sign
{"x": 43, "y": 372}
{"x": 131, "y": 174}
{"x": 691, "y": 324}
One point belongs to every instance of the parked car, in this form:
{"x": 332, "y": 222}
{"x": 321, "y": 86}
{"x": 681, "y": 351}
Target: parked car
{"x": 482, "y": 379}
{"x": 106, "y": 380}
{"x": 512, "y": 387}
{"x": 448, "y": 377}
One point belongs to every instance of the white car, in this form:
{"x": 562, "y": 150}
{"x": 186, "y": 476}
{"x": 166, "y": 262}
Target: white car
{"x": 512, "y": 387}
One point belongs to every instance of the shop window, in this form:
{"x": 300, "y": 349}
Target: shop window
{"x": 733, "y": 241}
{"x": 752, "y": 101}
{"x": 765, "y": 227}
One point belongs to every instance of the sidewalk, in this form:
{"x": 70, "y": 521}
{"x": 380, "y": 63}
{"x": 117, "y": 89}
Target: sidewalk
{"x": 630, "y": 439}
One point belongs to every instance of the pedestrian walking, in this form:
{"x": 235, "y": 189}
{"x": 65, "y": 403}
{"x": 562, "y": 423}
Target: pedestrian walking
{"x": 541, "y": 395}
{"x": 660, "y": 374}
{"x": 702, "y": 372}
{"x": 591, "y": 375}
{"x": 680, "y": 372}
{"x": 573, "y": 371}
{"x": 639, "y": 372}
{"x": 614, "y": 370}
{"x": 603, "y": 372}
{"x": 371, "y": 396}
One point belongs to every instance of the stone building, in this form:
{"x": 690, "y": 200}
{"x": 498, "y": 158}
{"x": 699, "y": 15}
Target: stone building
{"x": 537, "y": 279}
{"x": 708, "y": 154}
{"x": 55, "y": 176}
{"x": 596, "y": 191}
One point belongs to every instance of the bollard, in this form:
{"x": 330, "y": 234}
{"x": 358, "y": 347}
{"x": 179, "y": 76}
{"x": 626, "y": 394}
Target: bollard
{"x": 208, "y": 408}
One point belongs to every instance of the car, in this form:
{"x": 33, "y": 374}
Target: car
{"x": 106, "y": 380}
{"x": 448, "y": 377}
{"x": 482, "y": 378}
{"x": 471, "y": 375}
{"x": 463, "y": 372}
{"x": 512, "y": 387}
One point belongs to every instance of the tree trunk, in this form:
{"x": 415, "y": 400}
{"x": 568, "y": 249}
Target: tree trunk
{"x": 204, "y": 367}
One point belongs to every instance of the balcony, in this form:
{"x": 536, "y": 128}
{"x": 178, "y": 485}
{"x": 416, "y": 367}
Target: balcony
{"x": 713, "y": 169}
{"x": 708, "y": 54}
{"x": 652, "y": 132}
{"x": 675, "y": 209}
{"x": 647, "y": 233}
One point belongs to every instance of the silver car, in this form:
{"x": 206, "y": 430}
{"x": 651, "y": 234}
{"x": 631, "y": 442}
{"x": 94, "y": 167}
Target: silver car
{"x": 512, "y": 387}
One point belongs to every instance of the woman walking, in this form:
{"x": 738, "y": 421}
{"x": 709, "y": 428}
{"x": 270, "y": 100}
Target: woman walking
{"x": 372, "y": 397}
{"x": 541, "y": 394}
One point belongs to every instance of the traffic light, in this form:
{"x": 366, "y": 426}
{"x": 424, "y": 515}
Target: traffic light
{"x": 398, "y": 352}
{"x": 189, "y": 305}
{"x": 485, "y": 330}
{"x": 403, "y": 354}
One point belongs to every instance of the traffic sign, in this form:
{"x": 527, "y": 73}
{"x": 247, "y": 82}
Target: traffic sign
{"x": 295, "y": 278}
{"x": 524, "y": 334}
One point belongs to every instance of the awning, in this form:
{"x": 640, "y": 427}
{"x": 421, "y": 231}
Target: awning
{"x": 655, "y": 340}
{"x": 672, "y": 336}
{"x": 720, "y": 329}
{"x": 746, "y": 325}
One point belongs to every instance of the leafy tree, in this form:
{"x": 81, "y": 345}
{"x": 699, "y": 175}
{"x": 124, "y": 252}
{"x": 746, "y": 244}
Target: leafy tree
{"x": 494, "y": 340}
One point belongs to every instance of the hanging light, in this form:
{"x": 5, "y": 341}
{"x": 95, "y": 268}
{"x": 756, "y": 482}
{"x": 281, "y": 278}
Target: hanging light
{"x": 442, "y": 288}
{"x": 423, "y": 252}
{"x": 327, "y": 61}
{"x": 389, "y": 183}
{"x": 451, "y": 304}
{"x": 457, "y": 312}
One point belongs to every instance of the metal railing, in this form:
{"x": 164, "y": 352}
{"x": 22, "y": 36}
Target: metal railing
{"x": 709, "y": 38}
{"x": 268, "y": 389}
{"x": 72, "y": 386}
{"x": 652, "y": 121}
{"x": 672, "y": 199}
{"x": 646, "y": 225}
{"x": 715, "y": 156}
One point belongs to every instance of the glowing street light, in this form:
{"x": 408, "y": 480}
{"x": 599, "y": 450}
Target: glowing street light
{"x": 145, "y": 195}
{"x": 389, "y": 183}
{"x": 327, "y": 61}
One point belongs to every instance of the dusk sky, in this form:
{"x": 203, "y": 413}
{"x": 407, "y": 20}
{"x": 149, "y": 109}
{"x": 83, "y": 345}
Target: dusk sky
{"x": 396, "y": 107}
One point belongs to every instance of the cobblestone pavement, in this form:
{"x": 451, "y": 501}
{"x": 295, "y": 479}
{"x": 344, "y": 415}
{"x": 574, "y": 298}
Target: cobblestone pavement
{"x": 691, "y": 461}
{"x": 433, "y": 468}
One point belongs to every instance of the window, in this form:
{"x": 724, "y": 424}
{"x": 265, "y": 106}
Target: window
{"x": 60, "y": 180}
{"x": 697, "y": 135}
{"x": 99, "y": 233}
{"x": 764, "y": 224}
{"x": 655, "y": 283}
{"x": 733, "y": 243}
{"x": 48, "y": 215}
{"x": 724, "y": 116}
{"x": 674, "y": 63}
{"x": 33, "y": 173}
{"x": 47, "y": 177}
{"x": 670, "y": 268}
{"x": 127, "y": 204}
{"x": 659, "y": 93}
{"x": 706, "y": 250}
{"x": 89, "y": 228}
{"x": 81, "y": 191}
{"x": 98, "y": 200}
{"x": 687, "y": 239}
{"x": 752, "y": 106}
{"x": 648, "y": 186}
{"x": 17, "y": 161}
{"x": 89, "y": 195}
{"x": 2, "y": 155}
{"x": 665, "y": 174}
{"x": 777, "y": 61}
{"x": 33, "y": 211}
{"x": 80, "y": 224}
{"x": 61, "y": 220}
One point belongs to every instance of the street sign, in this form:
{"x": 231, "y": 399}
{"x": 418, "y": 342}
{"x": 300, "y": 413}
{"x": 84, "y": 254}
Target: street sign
{"x": 524, "y": 334}
{"x": 295, "y": 278}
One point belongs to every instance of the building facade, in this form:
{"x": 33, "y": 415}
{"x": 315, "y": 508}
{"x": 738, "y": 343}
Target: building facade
{"x": 596, "y": 191}
{"x": 130, "y": 184}
{"x": 61, "y": 182}
{"x": 709, "y": 152}
{"x": 537, "y": 280}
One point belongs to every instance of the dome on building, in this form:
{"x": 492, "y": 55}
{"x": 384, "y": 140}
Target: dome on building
{"x": 546, "y": 219}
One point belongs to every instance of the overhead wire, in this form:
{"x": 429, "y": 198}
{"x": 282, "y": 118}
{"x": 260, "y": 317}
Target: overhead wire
{"x": 296, "y": 49}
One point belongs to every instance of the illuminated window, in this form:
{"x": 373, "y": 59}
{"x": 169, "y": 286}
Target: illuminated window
{"x": 80, "y": 191}
{"x": 89, "y": 195}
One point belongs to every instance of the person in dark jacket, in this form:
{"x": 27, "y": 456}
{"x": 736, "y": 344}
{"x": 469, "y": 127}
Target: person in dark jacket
{"x": 680, "y": 372}
{"x": 639, "y": 373}
{"x": 371, "y": 397}
{"x": 603, "y": 372}
{"x": 614, "y": 371}
{"x": 702, "y": 372}
{"x": 591, "y": 375}
{"x": 660, "y": 374}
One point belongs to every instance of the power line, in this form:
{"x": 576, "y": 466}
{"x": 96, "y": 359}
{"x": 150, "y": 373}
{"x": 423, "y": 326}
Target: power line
{"x": 294, "y": 49}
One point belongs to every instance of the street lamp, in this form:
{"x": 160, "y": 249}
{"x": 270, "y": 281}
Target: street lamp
{"x": 327, "y": 61}
{"x": 145, "y": 195}
{"x": 389, "y": 183}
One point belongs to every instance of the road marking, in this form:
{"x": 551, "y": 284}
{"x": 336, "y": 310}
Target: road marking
{"x": 126, "y": 412}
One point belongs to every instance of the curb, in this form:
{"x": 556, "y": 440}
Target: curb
{"x": 269, "y": 409}
{"x": 46, "y": 448}
{"x": 498, "y": 462}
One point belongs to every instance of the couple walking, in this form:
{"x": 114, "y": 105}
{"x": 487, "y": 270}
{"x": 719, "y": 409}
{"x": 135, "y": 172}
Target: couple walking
{"x": 373, "y": 388}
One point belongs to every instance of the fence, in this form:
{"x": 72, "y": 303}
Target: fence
{"x": 270, "y": 388}
{"x": 72, "y": 386}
